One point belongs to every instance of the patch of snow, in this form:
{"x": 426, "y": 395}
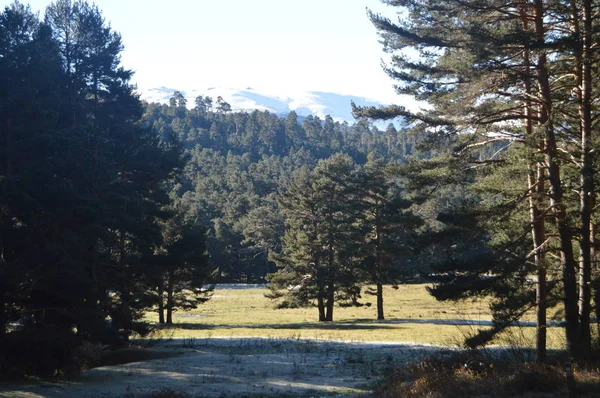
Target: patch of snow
{"x": 304, "y": 103}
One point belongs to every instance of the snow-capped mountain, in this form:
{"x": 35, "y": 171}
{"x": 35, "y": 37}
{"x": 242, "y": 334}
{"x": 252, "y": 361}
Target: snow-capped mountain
{"x": 303, "y": 103}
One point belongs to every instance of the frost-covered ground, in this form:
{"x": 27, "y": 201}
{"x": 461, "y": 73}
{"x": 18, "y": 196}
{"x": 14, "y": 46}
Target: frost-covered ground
{"x": 227, "y": 367}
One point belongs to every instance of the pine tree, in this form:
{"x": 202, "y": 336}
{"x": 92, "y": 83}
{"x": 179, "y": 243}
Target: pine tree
{"x": 483, "y": 66}
{"x": 318, "y": 256}
{"x": 86, "y": 199}
{"x": 389, "y": 227}
{"x": 182, "y": 271}
{"x": 30, "y": 89}
{"x": 222, "y": 105}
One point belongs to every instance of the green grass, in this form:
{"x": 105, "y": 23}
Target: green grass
{"x": 408, "y": 311}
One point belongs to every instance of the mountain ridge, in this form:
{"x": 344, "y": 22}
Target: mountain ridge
{"x": 304, "y": 103}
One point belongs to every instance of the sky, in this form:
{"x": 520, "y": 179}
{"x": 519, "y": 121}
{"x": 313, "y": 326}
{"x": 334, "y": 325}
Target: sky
{"x": 277, "y": 46}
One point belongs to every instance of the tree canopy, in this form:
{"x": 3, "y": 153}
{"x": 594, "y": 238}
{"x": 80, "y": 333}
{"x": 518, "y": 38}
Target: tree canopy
{"x": 523, "y": 74}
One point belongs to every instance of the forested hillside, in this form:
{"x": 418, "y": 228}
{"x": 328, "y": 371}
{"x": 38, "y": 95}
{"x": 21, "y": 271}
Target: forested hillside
{"x": 238, "y": 163}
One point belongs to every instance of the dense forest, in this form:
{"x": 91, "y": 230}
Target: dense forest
{"x": 111, "y": 208}
{"x": 239, "y": 163}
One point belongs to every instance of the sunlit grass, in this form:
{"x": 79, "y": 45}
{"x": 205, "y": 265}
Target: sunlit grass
{"x": 412, "y": 315}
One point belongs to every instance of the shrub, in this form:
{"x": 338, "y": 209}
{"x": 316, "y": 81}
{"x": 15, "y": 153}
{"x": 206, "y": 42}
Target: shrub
{"x": 469, "y": 374}
{"x": 41, "y": 351}
{"x": 88, "y": 355}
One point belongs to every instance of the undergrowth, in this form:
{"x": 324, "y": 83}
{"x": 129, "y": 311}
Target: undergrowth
{"x": 473, "y": 374}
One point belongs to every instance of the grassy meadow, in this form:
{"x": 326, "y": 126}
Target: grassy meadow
{"x": 412, "y": 315}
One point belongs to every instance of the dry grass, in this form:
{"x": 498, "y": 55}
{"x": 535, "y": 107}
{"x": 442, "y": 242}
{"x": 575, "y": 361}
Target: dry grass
{"x": 412, "y": 315}
{"x": 472, "y": 374}
{"x": 161, "y": 393}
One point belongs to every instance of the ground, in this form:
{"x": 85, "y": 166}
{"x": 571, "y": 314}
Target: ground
{"x": 222, "y": 367}
{"x": 237, "y": 344}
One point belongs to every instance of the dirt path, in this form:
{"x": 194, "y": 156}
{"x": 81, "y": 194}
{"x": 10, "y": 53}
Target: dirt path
{"x": 222, "y": 367}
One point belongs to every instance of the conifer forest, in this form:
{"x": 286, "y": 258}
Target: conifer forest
{"x": 112, "y": 208}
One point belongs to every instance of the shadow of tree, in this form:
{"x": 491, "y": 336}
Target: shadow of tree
{"x": 359, "y": 324}
{"x": 354, "y": 324}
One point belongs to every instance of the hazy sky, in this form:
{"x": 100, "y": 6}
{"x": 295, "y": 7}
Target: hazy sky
{"x": 279, "y": 46}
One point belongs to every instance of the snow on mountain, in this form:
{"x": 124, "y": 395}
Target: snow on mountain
{"x": 306, "y": 103}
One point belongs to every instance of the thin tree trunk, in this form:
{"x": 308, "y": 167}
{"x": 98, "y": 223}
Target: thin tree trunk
{"x": 568, "y": 264}
{"x": 3, "y": 317}
{"x": 330, "y": 300}
{"x": 378, "y": 261}
{"x": 321, "y": 305}
{"x": 538, "y": 237}
{"x": 318, "y": 270}
{"x": 3, "y": 295}
{"x": 9, "y": 150}
{"x": 161, "y": 307}
{"x": 125, "y": 317}
{"x": 380, "y": 315}
{"x": 583, "y": 61}
{"x": 596, "y": 280}
{"x": 536, "y": 194}
{"x": 330, "y": 281}
{"x": 170, "y": 301}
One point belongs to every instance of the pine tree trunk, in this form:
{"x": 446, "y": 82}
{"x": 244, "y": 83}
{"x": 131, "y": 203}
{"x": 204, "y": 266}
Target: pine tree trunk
{"x": 321, "y": 305}
{"x": 3, "y": 295}
{"x": 537, "y": 188}
{"x": 538, "y": 228}
{"x": 161, "y": 307}
{"x": 3, "y": 317}
{"x": 541, "y": 309}
{"x": 585, "y": 290}
{"x": 380, "y": 301}
{"x": 170, "y": 301}
{"x": 596, "y": 280}
{"x": 568, "y": 264}
{"x": 124, "y": 319}
{"x": 583, "y": 61}
{"x": 330, "y": 282}
{"x": 321, "y": 290}
{"x": 538, "y": 233}
{"x": 169, "y": 308}
{"x": 378, "y": 260}
{"x": 330, "y": 299}
{"x": 538, "y": 237}
{"x": 8, "y": 150}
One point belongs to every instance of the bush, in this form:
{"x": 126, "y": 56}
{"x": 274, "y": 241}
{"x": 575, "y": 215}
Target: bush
{"x": 40, "y": 351}
{"x": 88, "y": 355}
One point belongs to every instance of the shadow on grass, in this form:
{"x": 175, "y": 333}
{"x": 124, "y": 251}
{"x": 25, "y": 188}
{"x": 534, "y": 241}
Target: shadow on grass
{"x": 341, "y": 325}
{"x": 128, "y": 355}
{"x": 354, "y": 324}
